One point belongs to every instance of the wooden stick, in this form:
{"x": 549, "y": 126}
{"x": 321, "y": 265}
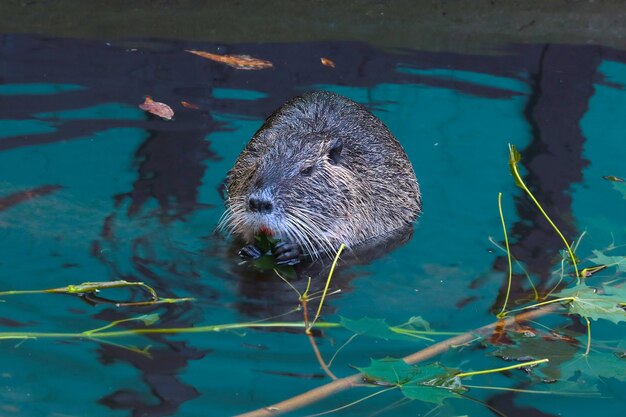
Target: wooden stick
{"x": 342, "y": 384}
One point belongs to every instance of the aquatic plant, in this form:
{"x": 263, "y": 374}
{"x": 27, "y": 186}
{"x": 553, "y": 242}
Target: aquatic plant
{"x": 539, "y": 351}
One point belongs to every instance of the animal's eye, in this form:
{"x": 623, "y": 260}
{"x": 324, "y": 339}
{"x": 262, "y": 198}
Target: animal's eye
{"x": 308, "y": 170}
{"x": 334, "y": 154}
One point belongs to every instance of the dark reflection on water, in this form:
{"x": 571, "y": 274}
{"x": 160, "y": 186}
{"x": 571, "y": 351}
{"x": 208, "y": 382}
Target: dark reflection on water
{"x": 170, "y": 171}
{"x": 561, "y": 87}
{"x": 171, "y": 162}
{"x": 159, "y": 373}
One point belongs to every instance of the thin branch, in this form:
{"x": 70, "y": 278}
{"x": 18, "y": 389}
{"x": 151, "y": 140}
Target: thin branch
{"x": 316, "y": 350}
{"x": 342, "y": 384}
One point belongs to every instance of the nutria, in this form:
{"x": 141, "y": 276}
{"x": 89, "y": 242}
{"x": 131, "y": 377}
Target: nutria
{"x": 321, "y": 171}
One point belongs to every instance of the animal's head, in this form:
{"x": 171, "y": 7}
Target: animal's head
{"x": 294, "y": 188}
{"x": 321, "y": 171}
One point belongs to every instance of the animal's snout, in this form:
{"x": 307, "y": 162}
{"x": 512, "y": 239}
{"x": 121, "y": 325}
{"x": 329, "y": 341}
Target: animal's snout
{"x": 260, "y": 204}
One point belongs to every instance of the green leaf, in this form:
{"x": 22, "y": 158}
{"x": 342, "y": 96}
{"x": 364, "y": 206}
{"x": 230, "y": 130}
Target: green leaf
{"x": 432, "y": 383}
{"x": 602, "y": 259}
{"x": 435, "y": 395}
{"x": 377, "y": 328}
{"x": 596, "y": 365}
{"x": 514, "y": 155}
{"x": 265, "y": 262}
{"x": 417, "y": 322}
{"x": 436, "y": 375}
{"x": 265, "y": 243}
{"x": 148, "y": 319}
{"x": 390, "y": 370}
{"x": 514, "y": 158}
{"x": 522, "y": 346}
{"x": 588, "y": 302}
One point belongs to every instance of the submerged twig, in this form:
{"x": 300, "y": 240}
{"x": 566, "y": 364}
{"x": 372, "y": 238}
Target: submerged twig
{"x": 342, "y": 384}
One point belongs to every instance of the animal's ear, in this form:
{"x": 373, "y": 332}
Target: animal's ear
{"x": 334, "y": 154}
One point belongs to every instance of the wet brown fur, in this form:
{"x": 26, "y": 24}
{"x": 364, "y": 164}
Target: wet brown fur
{"x": 369, "y": 191}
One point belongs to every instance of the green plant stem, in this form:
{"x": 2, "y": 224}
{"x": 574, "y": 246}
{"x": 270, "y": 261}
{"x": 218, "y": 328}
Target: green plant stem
{"x": 346, "y": 343}
{"x": 559, "y": 281}
{"x": 95, "y": 287}
{"x": 176, "y": 330}
{"x": 556, "y": 300}
{"x": 343, "y": 407}
{"x": 529, "y": 391}
{"x": 519, "y": 264}
{"x": 330, "y": 275}
{"x": 289, "y": 284}
{"x": 588, "y": 335}
{"x": 508, "y": 254}
{"x": 342, "y": 384}
{"x": 23, "y": 292}
{"x": 172, "y": 330}
{"x": 506, "y": 368}
{"x": 107, "y": 326}
{"x": 513, "y": 159}
{"x": 420, "y": 334}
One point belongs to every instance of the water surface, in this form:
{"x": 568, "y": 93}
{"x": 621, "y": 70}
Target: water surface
{"x": 94, "y": 189}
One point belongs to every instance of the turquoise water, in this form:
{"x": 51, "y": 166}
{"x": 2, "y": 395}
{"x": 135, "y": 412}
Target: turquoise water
{"x": 94, "y": 189}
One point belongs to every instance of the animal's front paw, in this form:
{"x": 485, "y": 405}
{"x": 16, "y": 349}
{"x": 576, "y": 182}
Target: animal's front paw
{"x": 287, "y": 253}
{"x": 250, "y": 252}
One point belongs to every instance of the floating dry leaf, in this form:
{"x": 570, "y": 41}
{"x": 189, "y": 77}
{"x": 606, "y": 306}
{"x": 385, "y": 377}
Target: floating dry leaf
{"x": 189, "y": 105}
{"x": 327, "y": 62}
{"x": 242, "y": 62}
{"x": 158, "y": 109}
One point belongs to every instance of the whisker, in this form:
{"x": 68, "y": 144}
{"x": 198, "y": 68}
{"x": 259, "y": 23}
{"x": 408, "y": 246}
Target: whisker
{"x": 301, "y": 236}
{"x": 313, "y": 232}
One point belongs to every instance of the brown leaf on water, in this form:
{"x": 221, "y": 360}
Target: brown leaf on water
{"x": 158, "y": 109}
{"x": 327, "y": 62}
{"x": 189, "y": 105}
{"x": 242, "y": 62}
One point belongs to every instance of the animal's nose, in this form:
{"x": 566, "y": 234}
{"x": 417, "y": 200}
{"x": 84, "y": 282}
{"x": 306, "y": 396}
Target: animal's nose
{"x": 260, "y": 204}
